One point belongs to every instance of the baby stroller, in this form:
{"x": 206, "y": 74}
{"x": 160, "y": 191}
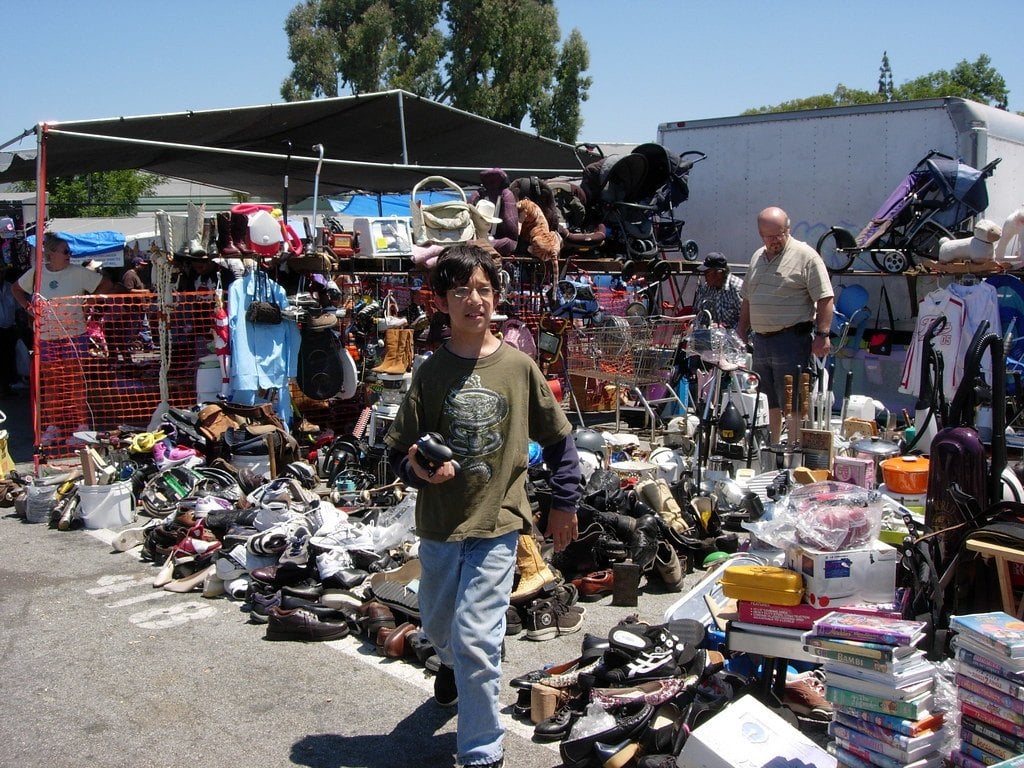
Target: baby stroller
{"x": 939, "y": 198}
{"x": 625, "y": 196}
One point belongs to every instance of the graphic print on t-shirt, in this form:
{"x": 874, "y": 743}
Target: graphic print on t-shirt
{"x": 474, "y": 414}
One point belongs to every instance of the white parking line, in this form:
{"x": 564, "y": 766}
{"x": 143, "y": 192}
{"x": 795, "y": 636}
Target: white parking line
{"x": 415, "y": 677}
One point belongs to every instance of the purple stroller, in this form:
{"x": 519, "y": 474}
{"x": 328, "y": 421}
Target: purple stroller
{"x": 938, "y": 198}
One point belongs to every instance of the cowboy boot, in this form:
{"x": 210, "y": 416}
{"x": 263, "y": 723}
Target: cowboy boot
{"x": 659, "y": 496}
{"x": 194, "y": 230}
{"x": 408, "y": 352}
{"x": 225, "y": 244}
{"x": 392, "y": 353}
{"x": 240, "y": 231}
{"x": 534, "y": 573}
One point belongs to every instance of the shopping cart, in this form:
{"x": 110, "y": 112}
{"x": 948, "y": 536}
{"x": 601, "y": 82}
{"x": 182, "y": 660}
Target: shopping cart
{"x": 631, "y": 353}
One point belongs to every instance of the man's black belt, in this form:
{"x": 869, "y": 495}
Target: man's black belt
{"x": 799, "y": 328}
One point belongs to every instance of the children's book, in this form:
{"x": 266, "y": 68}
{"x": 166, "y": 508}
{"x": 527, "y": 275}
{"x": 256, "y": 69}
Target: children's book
{"x": 911, "y": 709}
{"x": 869, "y": 650}
{"x": 1012, "y": 703}
{"x": 907, "y": 692}
{"x": 988, "y": 663}
{"x": 995, "y": 629}
{"x": 992, "y": 733}
{"x": 911, "y": 745}
{"x": 858, "y": 738}
{"x": 872, "y": 629}
{"x": 904, "y": 726}
{"x": 993, "y": 748}
{"x": 984, "y": 713}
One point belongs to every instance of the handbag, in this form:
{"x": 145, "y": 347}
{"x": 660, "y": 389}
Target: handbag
{"x": 880, "y": 338}
{"x": 446, "y": 222}
{"x": 261, "y": 311}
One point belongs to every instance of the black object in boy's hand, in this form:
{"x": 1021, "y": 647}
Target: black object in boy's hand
{"x": 431, "y": 453}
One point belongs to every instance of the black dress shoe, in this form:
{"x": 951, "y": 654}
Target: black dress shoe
{"x": 556, "y": 727}
{"x": 630, "y": 720}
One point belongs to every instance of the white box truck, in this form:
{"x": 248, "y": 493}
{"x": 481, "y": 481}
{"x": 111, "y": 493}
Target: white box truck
{"x": 836, "y": 167}
{"x": 833, "y": 166}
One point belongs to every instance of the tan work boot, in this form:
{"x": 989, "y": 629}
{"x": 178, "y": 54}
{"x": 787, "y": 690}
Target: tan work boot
{"x": 534, "y": 572}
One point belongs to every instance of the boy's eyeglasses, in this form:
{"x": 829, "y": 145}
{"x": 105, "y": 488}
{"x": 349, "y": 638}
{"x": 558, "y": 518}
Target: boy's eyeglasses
{"x": 462, "y": 293}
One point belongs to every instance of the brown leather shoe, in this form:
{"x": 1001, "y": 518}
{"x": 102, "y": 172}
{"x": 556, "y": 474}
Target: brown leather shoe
{"x": 374, "y": 615}
{"x": 595, "y": 584}
{"x": 395, "y": 644}
{"x": 299, "y": 624}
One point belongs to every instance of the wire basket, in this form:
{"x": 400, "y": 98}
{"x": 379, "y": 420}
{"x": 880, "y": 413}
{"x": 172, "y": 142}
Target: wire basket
{"x": 632, "y": 350}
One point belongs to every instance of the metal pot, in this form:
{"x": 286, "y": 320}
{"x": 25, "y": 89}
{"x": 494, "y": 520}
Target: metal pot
{"x": 782, "y": 456}
{"x": 876, "y": 449}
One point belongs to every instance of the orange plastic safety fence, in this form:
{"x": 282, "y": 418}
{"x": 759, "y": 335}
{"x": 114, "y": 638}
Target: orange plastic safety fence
{"x": 100, "y": 362}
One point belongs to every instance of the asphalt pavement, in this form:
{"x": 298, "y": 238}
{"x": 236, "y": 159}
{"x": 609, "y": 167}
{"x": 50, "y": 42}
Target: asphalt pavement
{"x": 101, "y": 669}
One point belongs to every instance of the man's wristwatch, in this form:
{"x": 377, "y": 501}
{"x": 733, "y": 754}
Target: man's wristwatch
{"x": 820, "y": 333}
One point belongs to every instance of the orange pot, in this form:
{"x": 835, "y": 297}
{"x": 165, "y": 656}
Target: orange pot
{"x": 906, "y": 474}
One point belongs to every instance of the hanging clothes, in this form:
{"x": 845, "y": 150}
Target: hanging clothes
{"x": 981, "y": 301}
{"x": 947, "y": 343}
{"x": 263, "y": 356}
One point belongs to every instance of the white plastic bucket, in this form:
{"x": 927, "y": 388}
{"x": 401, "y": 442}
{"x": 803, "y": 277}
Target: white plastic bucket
{"x": 208, "y": 381}
{"x": 106, "y": 506}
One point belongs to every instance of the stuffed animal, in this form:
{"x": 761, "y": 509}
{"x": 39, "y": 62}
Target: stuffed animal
{"x": 977, "y": 249}
{"x": 1012, "y": 227}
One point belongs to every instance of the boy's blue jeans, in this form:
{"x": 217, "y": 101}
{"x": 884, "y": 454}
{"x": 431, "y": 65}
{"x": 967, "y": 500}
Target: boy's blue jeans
{"x": 463, "y": 598}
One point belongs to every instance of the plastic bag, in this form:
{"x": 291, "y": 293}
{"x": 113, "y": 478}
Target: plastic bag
{"x": 717, "y": 346}
{"x": 828, "y": 516}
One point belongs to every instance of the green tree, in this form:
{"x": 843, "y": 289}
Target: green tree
{"x": 885, "y": 78}
{"x": 496, "y": 58}
{"x": 110, "y": 193}
{"x": 978, "y": 81}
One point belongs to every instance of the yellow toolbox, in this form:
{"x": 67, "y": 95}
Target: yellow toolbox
{"x": 763, "y": 584}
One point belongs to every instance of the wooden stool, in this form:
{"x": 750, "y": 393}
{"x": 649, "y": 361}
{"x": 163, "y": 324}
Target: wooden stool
{"x": 1003, "y": 556}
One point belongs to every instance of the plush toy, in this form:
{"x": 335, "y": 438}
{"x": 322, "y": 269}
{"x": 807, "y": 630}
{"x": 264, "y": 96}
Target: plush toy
{"x": 977, "y": 249}
{"x": 1012, "y": 227}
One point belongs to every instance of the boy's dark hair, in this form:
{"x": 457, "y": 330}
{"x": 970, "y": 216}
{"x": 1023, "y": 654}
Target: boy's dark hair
{"x": 456, "y": 264}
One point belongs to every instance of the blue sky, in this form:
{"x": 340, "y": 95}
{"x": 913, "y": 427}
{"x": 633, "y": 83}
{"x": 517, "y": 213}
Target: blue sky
{"x": 652, "y": 61}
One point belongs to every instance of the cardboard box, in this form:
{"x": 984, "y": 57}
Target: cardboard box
{"x": 862, "y": 575}
{"x": 854, "y": 470}
{"x": 747, "y": 733}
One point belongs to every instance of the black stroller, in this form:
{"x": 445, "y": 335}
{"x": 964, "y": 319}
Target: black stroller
{"x": 628, "y": 204}
{"x": 939, "y": 198}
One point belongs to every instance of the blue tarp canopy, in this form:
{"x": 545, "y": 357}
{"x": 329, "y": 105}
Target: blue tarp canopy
{"x": 87, "y": 244}
{"x": 385, "y": 205}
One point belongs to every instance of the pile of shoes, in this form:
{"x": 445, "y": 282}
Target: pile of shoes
{"x": 631, "y": 698}
{"x": 644, "y": 524}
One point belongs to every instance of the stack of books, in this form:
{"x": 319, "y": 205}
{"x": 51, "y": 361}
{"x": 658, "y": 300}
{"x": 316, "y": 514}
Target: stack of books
{"x": 989, "y": 659}
{"x": 882, "y": 691}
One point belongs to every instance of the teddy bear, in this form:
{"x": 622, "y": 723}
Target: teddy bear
{"x": 1012, "y": 227}
{"x": 977, "y": 249}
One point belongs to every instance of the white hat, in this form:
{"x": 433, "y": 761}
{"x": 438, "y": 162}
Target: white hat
{"x": 483, "y": 217}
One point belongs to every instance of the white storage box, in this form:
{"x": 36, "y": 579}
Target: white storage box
{"x": 383, "y": 236}
{"x": 862, "y": 575}
{"x": 749, "y": 734}
{"x": 106, "y": 506}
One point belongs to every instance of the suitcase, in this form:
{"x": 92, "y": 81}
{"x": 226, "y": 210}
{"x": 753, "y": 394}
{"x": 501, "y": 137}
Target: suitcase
{"x": 763, "y": 584}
